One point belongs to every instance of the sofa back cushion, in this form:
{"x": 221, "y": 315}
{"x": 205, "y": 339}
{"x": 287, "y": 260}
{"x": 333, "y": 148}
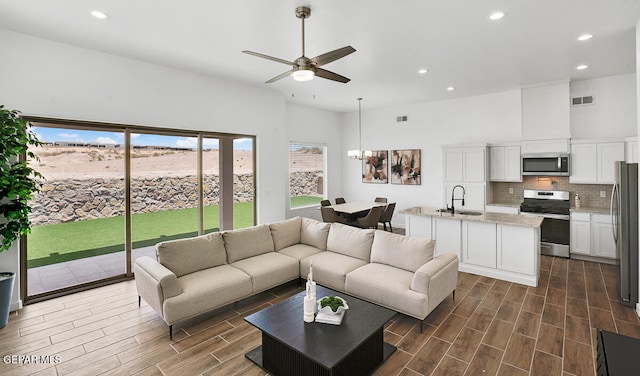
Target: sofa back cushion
{"x": 285, "y": 233}
{"x": 350, "y": 241}
{"x": 247, "y": 242}
{"x": 314, "y": 233}
{"x": 401, "y": 251}
{"x": 184, "y": 256}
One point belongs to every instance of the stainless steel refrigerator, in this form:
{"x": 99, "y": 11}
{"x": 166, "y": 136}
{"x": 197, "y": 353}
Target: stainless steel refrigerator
{"x": 624, "y": 217}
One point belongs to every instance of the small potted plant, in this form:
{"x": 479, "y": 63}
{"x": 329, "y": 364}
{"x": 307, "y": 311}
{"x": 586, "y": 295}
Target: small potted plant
{"x": 18, "y": 182}
{"x": 332, "y": 305}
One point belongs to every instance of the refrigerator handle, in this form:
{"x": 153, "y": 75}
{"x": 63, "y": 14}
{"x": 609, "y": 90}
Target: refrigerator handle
{"x": 614, "y": 215}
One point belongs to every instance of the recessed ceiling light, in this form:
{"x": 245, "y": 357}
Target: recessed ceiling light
{"x": 451, "y": 88}
{"x": 496, "y": 16}
{"x": 584, "y": 37}
{"x": 582, "y": 67}
{"x": 423, "y": 71}
{"x": 99, "y": 15}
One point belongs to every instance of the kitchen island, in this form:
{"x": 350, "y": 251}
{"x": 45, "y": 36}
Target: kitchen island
{"x": 496, "y": 245}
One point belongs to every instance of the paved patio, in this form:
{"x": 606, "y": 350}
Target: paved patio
{"x": 65, "y": 274}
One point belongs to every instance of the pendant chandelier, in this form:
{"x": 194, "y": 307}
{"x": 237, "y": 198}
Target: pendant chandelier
{"x": 359, "y": 154}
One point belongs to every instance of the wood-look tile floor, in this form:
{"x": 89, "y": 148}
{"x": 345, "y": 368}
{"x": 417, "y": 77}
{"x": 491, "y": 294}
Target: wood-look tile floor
{"x": 492, "y": 327}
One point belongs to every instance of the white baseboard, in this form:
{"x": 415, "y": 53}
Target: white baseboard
{"x": 16, "y": 305}
{"x": 638, "y": 309}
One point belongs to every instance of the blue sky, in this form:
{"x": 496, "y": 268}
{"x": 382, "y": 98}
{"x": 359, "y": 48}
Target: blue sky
{"x": 59, "y": 134}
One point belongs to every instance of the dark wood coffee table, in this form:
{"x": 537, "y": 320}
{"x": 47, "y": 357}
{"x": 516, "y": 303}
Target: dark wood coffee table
{"x": 292, "y": 347}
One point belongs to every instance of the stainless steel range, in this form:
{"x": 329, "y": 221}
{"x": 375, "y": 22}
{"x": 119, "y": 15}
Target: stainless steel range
{"x": 553, "y": 206}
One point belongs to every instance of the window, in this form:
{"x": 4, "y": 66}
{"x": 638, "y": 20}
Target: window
{"x": 307, "y": 164}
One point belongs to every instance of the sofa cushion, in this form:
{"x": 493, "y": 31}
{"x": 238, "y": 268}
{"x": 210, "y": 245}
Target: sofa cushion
{"x": 401, "y": 251}
{"x": 330, "y": 268}
{"x": 269, "y": 270}
{"x": 247, "y": 242}
{"x": 184, "y": 256}
{"x": 205, "y": 290}
{"x": 314, "y": 233}
{"x": 299, "y": 251}
{"x": 350, "y": 241}
{"x": 389, "y": 287}
{"x": 285, "y": 233}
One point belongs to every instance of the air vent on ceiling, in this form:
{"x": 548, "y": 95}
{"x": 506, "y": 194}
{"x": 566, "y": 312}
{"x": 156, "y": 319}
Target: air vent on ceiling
{"x": 401, "y": 118}
{"x": 582, "y": 101}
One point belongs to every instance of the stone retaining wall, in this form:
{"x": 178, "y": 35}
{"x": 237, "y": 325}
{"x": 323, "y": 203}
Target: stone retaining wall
{"x": 82, "y": 199}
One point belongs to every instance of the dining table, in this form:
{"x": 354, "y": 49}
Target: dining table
{"x": 353, "y": 208}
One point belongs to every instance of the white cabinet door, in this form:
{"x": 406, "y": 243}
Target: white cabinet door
{"x": 518, "y": 249}
{"x": 474, "y": 169}
{"x": 584, "y": 158}
{"x": 608, "y": 154}
{"x": 602, "y": 243}
{"x": 452, "y": 164}
{"x": 479, "y": 243}
{"x": 497, "y": 163}
{"x": 418, "y": 226}
{"x": 504, "y": 163}
{"x": 474, "y": 197}
{"x": 447, "y": 237}
{"x": 513, "y": 172}
{"x": 581, "y": 237}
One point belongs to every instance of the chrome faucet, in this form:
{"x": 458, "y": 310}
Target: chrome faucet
{"x": 453, "y": 195}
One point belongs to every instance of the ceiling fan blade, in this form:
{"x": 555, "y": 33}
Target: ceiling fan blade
{"x": 333, "y": 55}
{"x": 269, "y": 58}
{"x": 331, "y": 76}
{"x": 280, "y": 76}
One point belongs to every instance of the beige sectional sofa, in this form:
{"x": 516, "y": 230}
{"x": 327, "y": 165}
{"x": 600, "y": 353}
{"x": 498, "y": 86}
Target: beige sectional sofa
{"x": 195, "y": 275}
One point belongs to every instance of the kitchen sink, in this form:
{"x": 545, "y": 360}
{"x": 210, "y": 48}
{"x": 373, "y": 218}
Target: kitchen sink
{"x": 464, "y": 212}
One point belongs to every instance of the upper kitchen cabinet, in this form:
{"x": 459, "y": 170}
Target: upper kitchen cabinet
{"x": 465, "y": 164}
{"x": 504, "y": 163}
{"x": 593, "y": 162}
{"x": 546, "y": 112}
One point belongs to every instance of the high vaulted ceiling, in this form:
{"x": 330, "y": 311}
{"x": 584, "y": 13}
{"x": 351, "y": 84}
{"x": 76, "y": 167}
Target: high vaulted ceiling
{"x": 454, "y": 39}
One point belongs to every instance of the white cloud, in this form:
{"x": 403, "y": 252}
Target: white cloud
{"x": 135, "y": 135}
{"x": 68, "y": 135}
{"x": 106, "y": 140}
{"x": 187, "y": 142}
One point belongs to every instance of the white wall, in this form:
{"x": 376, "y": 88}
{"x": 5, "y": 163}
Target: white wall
{"x": 638, "y": 122}
{"x": 545, "y": 111}
{"x": 613, "y": 113}
{"x": 487, "y": 118}
{"x": 45, "y": 78}
{"x": 306, "y": 124}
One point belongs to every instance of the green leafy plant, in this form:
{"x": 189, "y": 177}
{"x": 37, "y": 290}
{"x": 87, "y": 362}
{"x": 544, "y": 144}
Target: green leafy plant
{"x": 18, "y": 181}
{"x": 333, "y": 302}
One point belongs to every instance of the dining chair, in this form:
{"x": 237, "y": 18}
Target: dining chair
{"x": 329, "y": 215}
{"x": 371, "y": 219}
{"x": 340, "y": 200}
{"x": 386, "y": 216}
{"x": 381, "y": 199}
{"x": 325, "y": 203}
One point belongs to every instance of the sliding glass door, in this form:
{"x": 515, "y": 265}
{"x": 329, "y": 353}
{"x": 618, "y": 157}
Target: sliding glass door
{"x": 77, "y": 218}
{"x": 111, "y": 193}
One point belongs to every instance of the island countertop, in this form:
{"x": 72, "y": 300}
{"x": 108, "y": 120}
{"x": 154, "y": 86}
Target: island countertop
{"x": 500, "y": 218}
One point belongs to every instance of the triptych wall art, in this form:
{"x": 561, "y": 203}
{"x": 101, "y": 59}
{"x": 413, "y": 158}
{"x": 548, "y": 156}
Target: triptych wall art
{"x": 405, "y": 167}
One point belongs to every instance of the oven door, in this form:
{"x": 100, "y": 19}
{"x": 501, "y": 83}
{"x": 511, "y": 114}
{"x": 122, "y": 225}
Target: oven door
{"x": 555, "y": 234}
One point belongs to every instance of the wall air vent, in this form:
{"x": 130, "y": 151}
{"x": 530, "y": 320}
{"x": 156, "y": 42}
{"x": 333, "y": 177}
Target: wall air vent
{"x": 400, "y": 119}
{"x": 582, "y": 101}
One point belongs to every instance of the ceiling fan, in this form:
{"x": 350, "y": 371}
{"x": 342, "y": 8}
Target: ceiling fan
{"x": 304, "y": 69}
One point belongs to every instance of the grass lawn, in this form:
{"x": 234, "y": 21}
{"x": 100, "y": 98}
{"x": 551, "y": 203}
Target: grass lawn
{"x": 304, "y": 201}
{"x": 50, "y": 244}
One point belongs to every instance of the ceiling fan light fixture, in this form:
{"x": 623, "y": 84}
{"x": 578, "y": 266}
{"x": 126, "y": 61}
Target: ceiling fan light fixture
{"x": 303, "y": 75}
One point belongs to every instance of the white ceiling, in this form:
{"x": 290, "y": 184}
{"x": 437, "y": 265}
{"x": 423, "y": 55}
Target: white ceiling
{"x": 535, "y": 43}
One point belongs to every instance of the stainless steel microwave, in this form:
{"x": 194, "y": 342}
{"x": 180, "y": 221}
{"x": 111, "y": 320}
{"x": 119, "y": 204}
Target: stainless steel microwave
{"x": 554, "y": 164}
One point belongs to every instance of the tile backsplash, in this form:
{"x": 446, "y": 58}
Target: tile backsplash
{"x": 589, "y": 193}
